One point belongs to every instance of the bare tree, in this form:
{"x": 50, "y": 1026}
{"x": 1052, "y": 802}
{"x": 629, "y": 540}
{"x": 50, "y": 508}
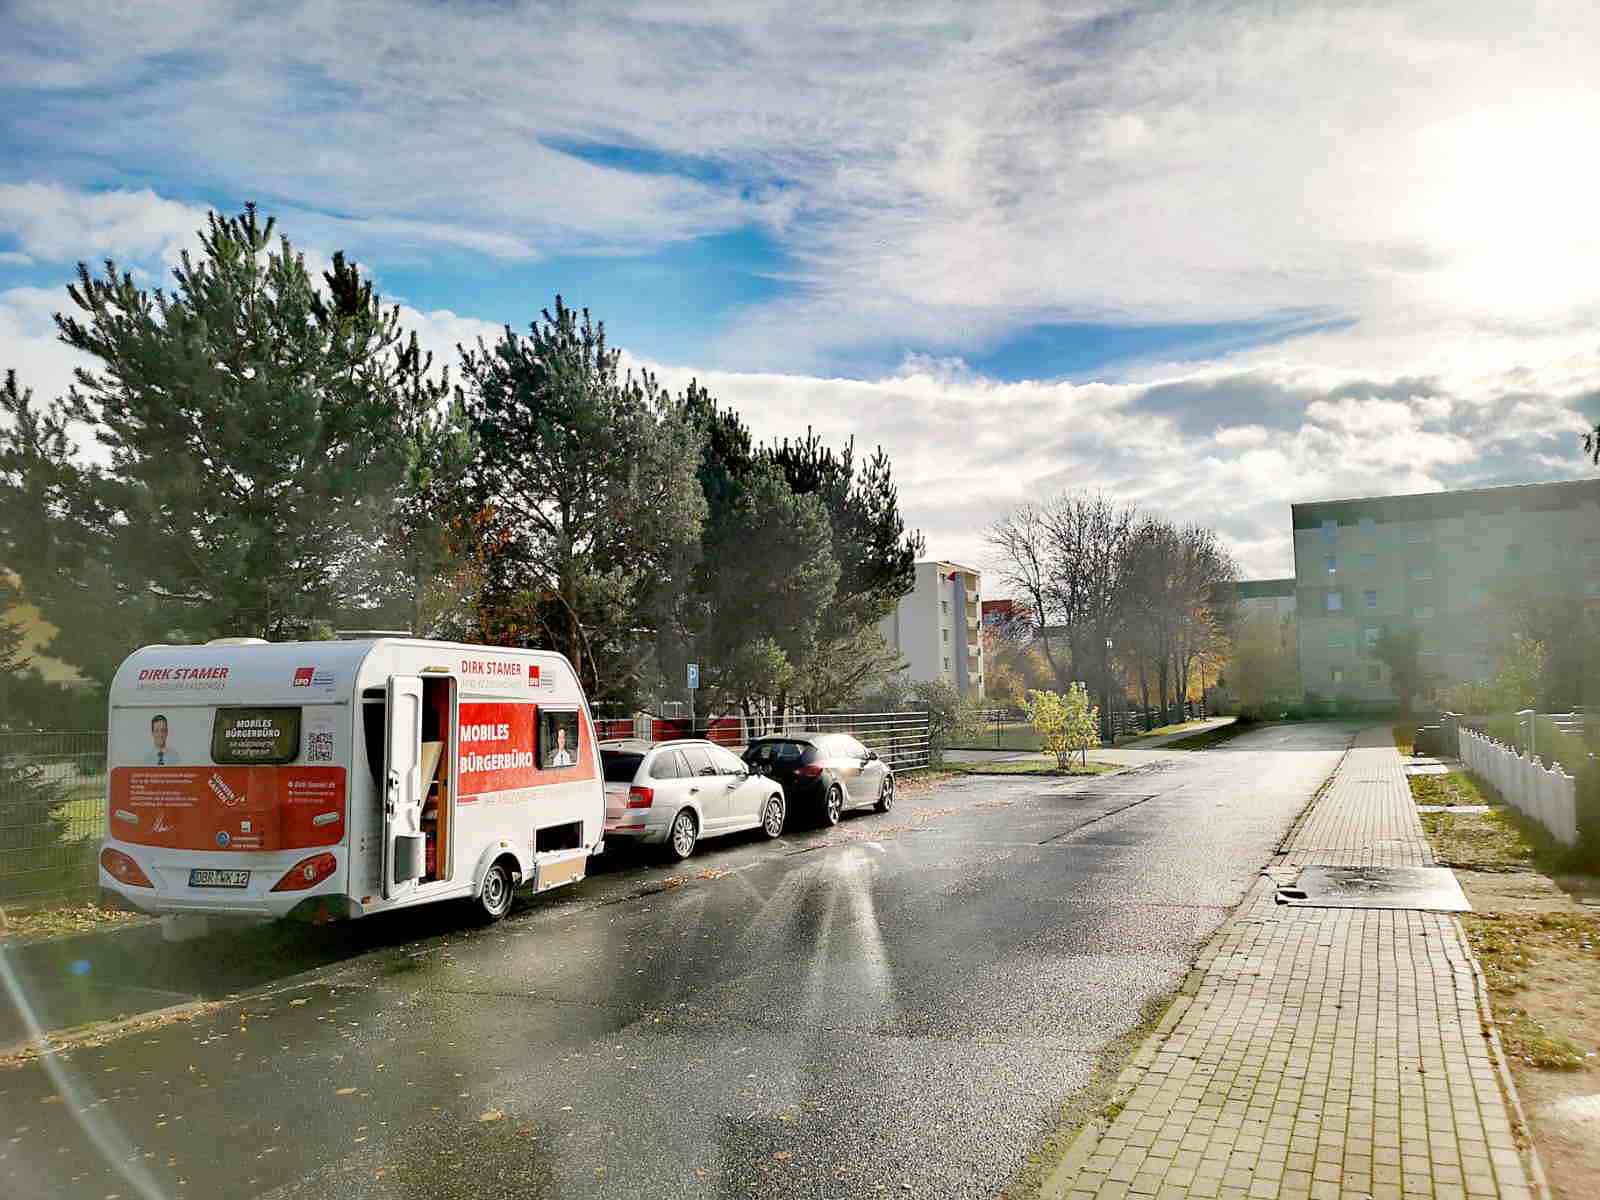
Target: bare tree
{"x": 1064, "y": 558}
{"x": 1201, "y": 602}
{"x": 1022, "y": 548}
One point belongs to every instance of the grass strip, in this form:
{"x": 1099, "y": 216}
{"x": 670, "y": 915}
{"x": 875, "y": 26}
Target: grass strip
{"x": 1030, "y": 768}
{"x": 1207, "y": 738}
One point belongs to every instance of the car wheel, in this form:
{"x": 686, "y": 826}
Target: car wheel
{"x": 494, "y": 897}
{"x": 772, "y": 817}
{"x": 833, "y": 804}
{"x": 886, "y": 794}
{"x": 685, "y": 832}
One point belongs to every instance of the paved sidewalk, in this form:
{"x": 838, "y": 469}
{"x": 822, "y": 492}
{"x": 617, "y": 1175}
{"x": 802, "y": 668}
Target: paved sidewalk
{"x": 1318, "y": 1054}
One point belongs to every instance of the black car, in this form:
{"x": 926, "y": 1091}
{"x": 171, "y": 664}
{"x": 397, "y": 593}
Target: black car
{"x": 824, "y": 773}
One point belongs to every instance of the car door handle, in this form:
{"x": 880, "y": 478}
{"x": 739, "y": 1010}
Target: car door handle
{"x": 694, "y": 791}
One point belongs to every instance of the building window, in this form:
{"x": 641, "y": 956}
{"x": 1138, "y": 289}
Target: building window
{"x": 1330, "y": 531}
{"x": 1369, "y": 525}
{"x": 1476, "y": 595}
{"x": 1513, "y": 555}
{"x": 1370, "y": 635}
{"x": 1335, "y": 602}
{"x": 1337, "y": 674}
{"x": 1374, "y": 673}
{"x": 947, "y": 664}
{"x": 1369, "y": 560}
{"x": 1371, "y": 598}
{"x": 944, "y": 634}
{"x": 1337, "y": 642}
{"x": 1591, "y": 587}
{"x": 1333, "y": 563}
{"x": 1421, "y": 573}
{"x": 1423, "y": 612}
{"x": 1416, "y": 535}
{"x": 944, "y": 606}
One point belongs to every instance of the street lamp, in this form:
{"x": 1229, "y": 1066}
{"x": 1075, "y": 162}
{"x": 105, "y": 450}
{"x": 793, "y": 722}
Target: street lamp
{"x": 1110, "y": 720}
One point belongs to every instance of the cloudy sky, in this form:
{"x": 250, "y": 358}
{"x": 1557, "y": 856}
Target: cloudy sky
{"x": 1214, "y": 257}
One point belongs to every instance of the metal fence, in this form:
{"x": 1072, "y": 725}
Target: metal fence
{"x": 902, "y": 739}
{"x": 1009, "y": 728}
{"x": 52, "y": 814}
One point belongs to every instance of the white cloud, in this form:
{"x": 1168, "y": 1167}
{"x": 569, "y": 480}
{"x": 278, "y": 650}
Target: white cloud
{"x": 28, "y": 341}
{"x": 967, "y": 449}
{"x": 939, "y": 175}
{"x": 59, "y": 224}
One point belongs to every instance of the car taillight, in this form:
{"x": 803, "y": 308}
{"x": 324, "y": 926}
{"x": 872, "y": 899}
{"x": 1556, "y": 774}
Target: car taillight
{"x": 123, "y": 869}
{"x": 308, "y": 872}
{"x": 809, "y": 771}
{"x": 641, "y": 797}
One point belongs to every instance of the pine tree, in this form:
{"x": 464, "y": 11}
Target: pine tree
{"x": 264, "y": 438}
{"x": 29, "y": 799}
{"x": 584, "y": 486}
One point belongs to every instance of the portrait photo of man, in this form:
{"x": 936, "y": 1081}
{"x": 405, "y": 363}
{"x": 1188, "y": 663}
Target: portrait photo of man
{"x": 160, "y": 753}
{"x": 560, "y": 742}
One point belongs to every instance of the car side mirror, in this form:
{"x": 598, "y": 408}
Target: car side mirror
{"x": 872, "y": 755}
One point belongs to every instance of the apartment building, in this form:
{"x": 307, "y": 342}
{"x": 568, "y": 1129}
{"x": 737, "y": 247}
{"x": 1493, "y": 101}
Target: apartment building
{"x": 936, "y": 626}
{"x": 1268, "y": 599}
{"x": 1440, "y": 564}
{"x": 1005, "y": 613}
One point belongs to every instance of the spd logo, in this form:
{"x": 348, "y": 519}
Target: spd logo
{"x": 302, "y": 676}
{"x": 533, "y": 674}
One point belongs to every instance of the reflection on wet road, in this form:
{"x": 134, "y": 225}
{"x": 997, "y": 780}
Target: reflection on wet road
{"x": 897, "y": 1006}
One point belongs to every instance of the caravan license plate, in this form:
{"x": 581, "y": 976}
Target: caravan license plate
{"x": 215, "y": 877}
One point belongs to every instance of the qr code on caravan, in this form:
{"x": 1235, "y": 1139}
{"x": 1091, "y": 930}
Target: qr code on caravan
{"x": 319, "y": 746}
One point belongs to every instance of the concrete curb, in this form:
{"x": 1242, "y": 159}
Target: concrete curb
{"x": 58, "y": 1041}
{"x": 1508, "y": 1087}
{"x": 1087, "y": 1139}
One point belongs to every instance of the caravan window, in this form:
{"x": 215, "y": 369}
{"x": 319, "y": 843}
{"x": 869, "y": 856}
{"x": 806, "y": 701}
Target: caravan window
{"x": 257, "y": 736}
{"x": 558, "y": 739}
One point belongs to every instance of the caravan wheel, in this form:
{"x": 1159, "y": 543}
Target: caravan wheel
{"x": 494, "y": 898}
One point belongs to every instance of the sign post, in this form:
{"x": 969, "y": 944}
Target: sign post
{"x": 694, "y": 684}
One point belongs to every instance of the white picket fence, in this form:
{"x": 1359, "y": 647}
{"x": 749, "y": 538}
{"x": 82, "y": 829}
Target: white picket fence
{"x": 1547, "y": 794}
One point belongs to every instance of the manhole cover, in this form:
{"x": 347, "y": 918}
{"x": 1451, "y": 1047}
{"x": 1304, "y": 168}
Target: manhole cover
{"x": 1429, "y": 889}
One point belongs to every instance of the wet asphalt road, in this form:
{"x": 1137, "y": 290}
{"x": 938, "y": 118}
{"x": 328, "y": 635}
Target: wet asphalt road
{"x": 895, "y": 1007}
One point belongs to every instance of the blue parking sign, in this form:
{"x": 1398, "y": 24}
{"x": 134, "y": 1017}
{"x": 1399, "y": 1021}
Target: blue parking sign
{"x": 694, "y": 676}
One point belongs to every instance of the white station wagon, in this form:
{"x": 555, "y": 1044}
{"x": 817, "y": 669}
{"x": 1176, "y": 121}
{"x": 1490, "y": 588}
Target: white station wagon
{"x": 673, "y": 794}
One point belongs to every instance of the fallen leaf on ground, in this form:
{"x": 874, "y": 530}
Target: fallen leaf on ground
{"x": 345, "y": 1091}
{"x": 492, "y": 1114}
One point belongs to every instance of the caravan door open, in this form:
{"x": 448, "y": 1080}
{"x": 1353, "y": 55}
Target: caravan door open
{"x": 403, "y": 797}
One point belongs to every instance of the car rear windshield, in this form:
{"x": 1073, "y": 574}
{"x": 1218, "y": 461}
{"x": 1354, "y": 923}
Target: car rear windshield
{"x": 620, "y": 765}
{"x": 769, "y": 754}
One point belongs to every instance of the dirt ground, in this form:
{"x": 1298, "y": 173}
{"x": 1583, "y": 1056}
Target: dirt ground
{"x": 1536, "y": 931}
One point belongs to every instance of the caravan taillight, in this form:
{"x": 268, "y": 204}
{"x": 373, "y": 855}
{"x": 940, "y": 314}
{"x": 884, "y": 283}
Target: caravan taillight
{"x": 641, "y": 797}
{"x": 123, "y": 869}
{"x": 307, "y": 872}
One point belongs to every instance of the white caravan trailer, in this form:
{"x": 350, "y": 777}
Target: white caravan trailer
{"x": 337, "y": 779}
